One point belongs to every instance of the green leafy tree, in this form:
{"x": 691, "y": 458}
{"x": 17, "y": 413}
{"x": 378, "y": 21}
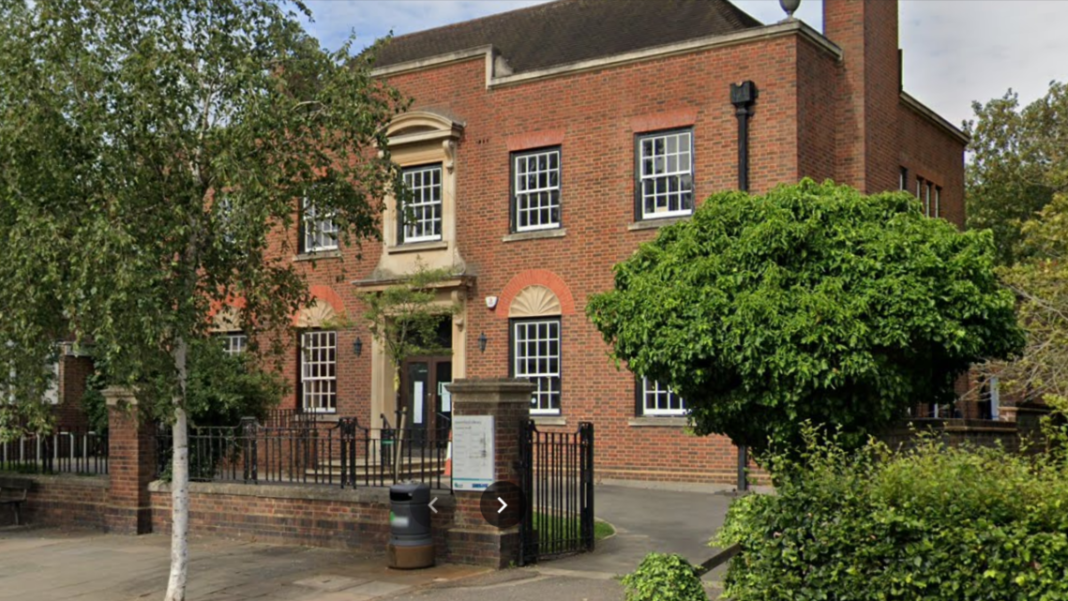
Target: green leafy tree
{"x": 812, "y": 302}
{"x": 1019, "y": 160}
{"x": 150, "y": 152}
{"x": 1040, "y": 283}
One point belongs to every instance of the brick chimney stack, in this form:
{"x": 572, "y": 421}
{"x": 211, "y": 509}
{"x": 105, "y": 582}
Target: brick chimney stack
{"x": 869, "y": 94}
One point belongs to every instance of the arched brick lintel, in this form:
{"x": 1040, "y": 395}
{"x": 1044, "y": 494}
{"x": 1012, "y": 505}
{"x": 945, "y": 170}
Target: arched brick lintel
{"x": 535, "y": 277}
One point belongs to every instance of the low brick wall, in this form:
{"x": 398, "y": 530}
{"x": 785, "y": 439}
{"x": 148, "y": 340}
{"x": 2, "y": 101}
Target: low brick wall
{"x": 955, "y": 432}
{"x": 313, "y": 516}
{"x": 65, "y": 501}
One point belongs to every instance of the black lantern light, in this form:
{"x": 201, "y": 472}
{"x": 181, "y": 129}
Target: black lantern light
{"x": 357, "y": 347}
{"x": 482, "y": 340}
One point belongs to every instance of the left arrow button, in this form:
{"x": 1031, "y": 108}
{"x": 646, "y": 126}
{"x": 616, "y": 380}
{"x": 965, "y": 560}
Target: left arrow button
{"x": 431, "y": 504}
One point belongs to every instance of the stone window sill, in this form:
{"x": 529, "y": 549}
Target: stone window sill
{"x": 655, "y": 224}
{"x": 318, "y": 256}
{"x": 657, "y": 422}
{"x": 536, "y": 235}
{"x": 549, "y": 420}
{"x": 418, "y": 247}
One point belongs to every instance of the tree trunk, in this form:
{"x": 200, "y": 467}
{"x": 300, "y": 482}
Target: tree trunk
{"x": 179, "y": 487}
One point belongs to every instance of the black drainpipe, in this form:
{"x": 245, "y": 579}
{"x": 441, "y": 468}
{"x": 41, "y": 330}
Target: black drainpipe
{"x": 743, "y": 97}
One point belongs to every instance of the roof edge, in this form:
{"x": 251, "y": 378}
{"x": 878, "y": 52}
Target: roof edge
{"x": 506, "y": 78}
{"x": 928, "y": 113}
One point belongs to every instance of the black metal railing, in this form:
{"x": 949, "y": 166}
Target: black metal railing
{"x": 341, "y": 453}
{"x": 62, "y": 452}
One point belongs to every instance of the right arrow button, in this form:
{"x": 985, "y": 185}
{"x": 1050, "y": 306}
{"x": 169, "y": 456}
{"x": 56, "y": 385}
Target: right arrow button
{"x": 502, "y": 504}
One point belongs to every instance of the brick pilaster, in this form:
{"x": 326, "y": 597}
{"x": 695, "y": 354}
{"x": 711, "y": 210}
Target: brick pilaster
{"x": 472, "y": 539}
{"x": 131, "y": 465}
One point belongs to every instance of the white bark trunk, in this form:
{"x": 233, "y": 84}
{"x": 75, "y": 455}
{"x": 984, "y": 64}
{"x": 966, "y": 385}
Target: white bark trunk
{"x": 179, "y": 488}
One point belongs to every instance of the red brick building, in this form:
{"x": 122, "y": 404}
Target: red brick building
{"x": 545, "y": 144}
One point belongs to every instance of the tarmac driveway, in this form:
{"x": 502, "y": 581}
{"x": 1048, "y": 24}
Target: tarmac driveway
{"x": 652, "y": 518}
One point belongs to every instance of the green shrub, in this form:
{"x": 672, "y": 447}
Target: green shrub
{"x": 662, "y": 577}
{"x": 931, "y": 523}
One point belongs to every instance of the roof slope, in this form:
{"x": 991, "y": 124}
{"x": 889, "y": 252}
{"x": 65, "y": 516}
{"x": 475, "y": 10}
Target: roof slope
{"x": 567, "y": 31}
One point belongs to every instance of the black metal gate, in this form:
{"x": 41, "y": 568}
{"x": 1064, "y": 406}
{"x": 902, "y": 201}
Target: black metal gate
{"x": 558, "y": 488}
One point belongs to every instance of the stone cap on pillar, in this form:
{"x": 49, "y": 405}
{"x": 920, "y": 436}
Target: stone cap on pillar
{"x": 501, "y": 390}
{"x": 118, "y": 396}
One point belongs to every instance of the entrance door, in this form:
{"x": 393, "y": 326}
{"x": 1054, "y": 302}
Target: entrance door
{"x": 423, "y": 394}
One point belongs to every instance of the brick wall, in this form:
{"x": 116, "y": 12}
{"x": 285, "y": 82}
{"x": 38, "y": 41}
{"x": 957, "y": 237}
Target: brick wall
{"x": 312, "y": 516}
{"x": 816, "y": 116}
{"x": 73, "y": 372}
{"x": 62, "y": 501}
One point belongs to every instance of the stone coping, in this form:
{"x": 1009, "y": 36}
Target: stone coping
{"x": 305, "y": 492}
{"x": 505, "y": 385}
{"x": 75, "y": 479}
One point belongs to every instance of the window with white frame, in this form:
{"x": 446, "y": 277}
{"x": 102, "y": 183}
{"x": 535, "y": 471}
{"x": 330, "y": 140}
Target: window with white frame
{"x": 903, "y": 179}
{"x": 536, "y": 189}
{"x": 420, "y": 217}
{"x": 937, "y": 201}
{"x": 659, "y": 400}
{"x": 665, "y": 174}
{"x": 536, "y": 357}
{"x": 234, "y": 343}
{"x": 318, "y": 371}
{"x": 319, "y": 230}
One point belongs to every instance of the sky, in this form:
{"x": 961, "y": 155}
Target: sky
{"x": 955, "y": 51}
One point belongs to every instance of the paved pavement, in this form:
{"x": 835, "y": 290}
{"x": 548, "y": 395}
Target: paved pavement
{"x": 52, "y": 565}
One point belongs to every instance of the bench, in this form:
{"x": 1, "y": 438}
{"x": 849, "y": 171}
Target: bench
{"x": 13, "y": 493}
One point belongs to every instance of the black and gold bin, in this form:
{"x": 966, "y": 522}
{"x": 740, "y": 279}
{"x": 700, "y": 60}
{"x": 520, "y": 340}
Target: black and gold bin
{"x": 411, "y": 544}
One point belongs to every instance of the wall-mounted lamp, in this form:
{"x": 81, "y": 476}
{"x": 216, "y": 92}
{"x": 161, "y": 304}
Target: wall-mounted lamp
{"x": 357, "y": 347}
{"x": 482, "y": 340}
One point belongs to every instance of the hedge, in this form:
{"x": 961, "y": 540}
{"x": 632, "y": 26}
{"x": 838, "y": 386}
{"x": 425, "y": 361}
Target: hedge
{"x": 930, "y": 523}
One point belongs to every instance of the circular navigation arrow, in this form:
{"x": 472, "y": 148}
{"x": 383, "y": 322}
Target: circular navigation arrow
{"x": 502, "y": 504}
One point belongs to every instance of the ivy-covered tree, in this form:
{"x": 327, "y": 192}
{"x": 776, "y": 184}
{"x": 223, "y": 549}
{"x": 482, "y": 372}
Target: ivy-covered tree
{"x": 150, "y": 152}
{"x": 812, "y": 302}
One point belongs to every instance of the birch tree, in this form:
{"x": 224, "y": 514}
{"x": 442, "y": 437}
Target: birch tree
{"x": 154, "y": 158}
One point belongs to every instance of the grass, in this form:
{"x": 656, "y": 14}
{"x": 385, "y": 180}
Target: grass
{"x": 542, "y": 523}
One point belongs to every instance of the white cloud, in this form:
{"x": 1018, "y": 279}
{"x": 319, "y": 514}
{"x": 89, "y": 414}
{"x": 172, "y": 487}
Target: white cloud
{"x": 955, "y": 51}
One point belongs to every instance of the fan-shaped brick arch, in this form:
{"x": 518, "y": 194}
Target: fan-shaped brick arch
{"x": 535, "y": 277}
{"x": 327, "y": 306}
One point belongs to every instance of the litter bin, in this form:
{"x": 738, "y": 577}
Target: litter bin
{"x": 410, "y": 543}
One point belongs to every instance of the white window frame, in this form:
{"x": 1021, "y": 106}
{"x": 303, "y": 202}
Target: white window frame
{"x": 903, "y": 179}
{"x": 319, "y": 232}
{"x": 234, "y": 343}
{"x": 654, "y": 391}
{"x": 422, "y": 197}
{"x": 536, "y": 191}
{"x": 318, "y": 371}
{"x": 928, "y": 209}
{"x": 938, "y": 201}
{"x": 661, "y": 169}
{"x": 538, "y": 366}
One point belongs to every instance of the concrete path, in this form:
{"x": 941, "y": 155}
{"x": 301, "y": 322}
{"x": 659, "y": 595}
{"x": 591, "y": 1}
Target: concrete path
{"x": 50, "y": 565}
